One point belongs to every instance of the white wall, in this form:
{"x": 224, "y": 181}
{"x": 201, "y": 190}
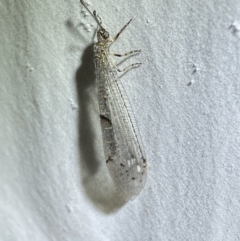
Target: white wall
{"x": 54, "y": 184}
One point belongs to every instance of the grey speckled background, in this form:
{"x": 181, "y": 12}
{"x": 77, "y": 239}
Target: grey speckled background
{"x": 54, "y": 184}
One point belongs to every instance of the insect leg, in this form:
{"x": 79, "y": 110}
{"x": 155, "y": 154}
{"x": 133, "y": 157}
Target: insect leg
{"x": 135, "y": 65}
{"x": 127, "y": 54}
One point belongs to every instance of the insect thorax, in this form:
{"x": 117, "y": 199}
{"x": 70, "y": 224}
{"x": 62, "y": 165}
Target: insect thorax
{"x": 101, "y": 51}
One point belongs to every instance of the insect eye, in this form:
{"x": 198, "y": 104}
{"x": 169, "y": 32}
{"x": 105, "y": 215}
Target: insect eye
{"x": 106, "y": 35}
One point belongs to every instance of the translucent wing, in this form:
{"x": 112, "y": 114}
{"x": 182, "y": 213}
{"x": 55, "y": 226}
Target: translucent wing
{"x": 122, "y": 145}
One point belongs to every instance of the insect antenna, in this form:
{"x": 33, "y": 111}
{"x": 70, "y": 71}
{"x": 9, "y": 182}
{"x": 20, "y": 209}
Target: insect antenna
{"x": 94, "y": 14}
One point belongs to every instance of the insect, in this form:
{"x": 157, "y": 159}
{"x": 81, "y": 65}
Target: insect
{"x": 124, "y": 156}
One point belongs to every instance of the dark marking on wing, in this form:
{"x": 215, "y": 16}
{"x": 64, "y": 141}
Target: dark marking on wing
{"x": 103, "y": 117}
{"x": 144, "y": 163}
{"x": 109, "y": 159}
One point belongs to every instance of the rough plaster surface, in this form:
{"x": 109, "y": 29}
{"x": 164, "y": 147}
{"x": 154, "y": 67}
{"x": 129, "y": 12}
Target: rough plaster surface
{"x": 54, "y": 184}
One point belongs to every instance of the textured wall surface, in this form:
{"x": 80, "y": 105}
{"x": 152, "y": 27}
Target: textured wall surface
{"x": 54, "y": 184}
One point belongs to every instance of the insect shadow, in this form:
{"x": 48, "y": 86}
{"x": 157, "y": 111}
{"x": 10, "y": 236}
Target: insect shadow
{"x": 95, "y": 177}
{"x": 85, "y": 79}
